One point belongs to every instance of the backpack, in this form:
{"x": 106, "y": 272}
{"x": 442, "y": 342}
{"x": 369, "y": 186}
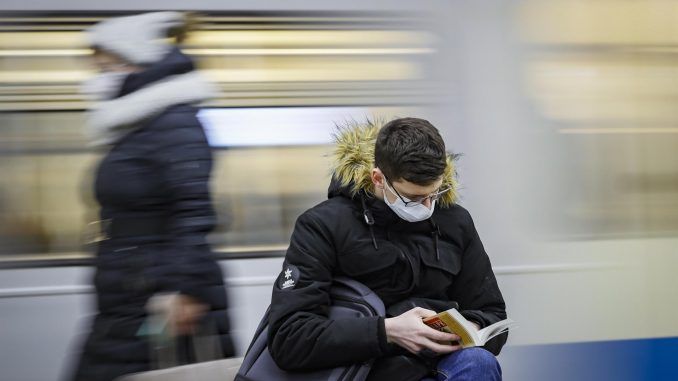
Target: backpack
{"x": 348, "y": 298}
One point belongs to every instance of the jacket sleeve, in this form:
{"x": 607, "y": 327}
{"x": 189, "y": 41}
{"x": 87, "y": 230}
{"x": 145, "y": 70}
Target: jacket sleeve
{"x": 476, "y": 289}
{"x": 301, "y": 337}
{"x": 184, "y": 162}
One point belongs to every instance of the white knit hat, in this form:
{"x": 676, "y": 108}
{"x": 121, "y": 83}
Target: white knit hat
{"x": 139, "y": 39}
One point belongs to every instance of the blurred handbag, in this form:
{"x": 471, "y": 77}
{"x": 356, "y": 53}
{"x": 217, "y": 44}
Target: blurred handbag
{"x": 209, "y": 363}
{"x": 348, "y": 298}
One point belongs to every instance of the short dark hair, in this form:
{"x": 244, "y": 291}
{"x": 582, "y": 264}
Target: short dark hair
{"x": 410, "y": 149}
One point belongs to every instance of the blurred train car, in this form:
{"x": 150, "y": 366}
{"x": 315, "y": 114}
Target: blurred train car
{"x": 563, "y": 112}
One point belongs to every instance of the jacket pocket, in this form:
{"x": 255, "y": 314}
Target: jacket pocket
{"x": 362, "y": 258}
{"x": 447, "y": 258}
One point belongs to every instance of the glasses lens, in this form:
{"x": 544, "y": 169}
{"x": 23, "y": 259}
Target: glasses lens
{"x": 440, "y": 194}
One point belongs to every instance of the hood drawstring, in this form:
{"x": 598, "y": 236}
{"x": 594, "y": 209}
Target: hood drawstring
{"x": 369, "y": 220}
{"x": 435, "y": 233}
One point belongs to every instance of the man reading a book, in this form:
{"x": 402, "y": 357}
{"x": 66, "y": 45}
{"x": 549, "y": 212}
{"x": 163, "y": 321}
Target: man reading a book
{"x": 391, "y": 221}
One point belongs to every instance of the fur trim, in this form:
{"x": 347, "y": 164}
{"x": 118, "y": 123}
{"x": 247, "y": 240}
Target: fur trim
{"x": 110, "y": 120}
{"x": 354, "y": 160}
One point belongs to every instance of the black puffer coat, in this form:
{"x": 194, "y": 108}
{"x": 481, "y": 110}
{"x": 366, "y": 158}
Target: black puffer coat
{"x": 431, "y": 264}
{"x": 153, "y": 190}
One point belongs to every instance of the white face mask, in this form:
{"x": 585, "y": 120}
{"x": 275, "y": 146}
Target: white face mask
{"x": 103, "y": 86}
{"x": 413, "y": 213}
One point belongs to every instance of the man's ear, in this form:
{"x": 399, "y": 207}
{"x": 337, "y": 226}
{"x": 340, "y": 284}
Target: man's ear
{"x": 377, "y": 178}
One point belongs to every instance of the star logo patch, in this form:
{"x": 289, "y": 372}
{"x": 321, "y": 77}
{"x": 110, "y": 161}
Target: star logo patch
{"x": 288, "y": 277}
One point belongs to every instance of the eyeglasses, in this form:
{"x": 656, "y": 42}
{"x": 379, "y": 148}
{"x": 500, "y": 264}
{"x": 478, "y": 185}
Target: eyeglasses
{"x": 433, "y": 196}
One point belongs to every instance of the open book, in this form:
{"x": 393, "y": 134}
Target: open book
{"x": 452, "y": 321}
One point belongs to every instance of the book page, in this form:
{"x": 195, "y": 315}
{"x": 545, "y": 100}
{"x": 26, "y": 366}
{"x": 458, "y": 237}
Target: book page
{"x": 468, "y": 327}
{"x": 495, "y": 329}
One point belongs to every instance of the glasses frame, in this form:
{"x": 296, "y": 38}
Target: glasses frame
{"x": 433, "y": 196}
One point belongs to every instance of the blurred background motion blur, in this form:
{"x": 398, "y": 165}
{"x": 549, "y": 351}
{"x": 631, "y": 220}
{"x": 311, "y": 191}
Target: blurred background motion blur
{"x": 565, "y": 112}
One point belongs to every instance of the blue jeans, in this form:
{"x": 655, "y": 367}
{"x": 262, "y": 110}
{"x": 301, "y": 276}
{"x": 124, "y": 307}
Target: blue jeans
{"x": 470, "y": 364}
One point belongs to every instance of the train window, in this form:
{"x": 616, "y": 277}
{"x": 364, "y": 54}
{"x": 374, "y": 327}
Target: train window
{"x": 278, "y": 126}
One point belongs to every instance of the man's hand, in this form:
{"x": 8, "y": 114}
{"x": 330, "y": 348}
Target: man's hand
{"x": 409, "y": 331}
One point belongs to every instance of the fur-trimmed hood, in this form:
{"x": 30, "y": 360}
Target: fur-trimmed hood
{"x": 354, "y": 160}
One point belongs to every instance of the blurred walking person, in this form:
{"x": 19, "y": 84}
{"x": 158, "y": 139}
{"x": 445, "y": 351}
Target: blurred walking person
{"x": 152, "y": 186}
